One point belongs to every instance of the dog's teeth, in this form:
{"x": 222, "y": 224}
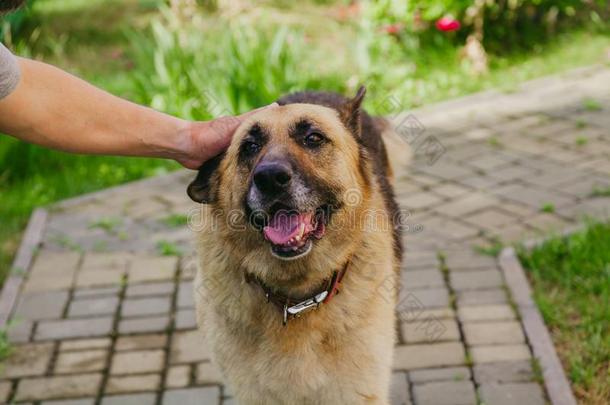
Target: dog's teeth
{"x": 297, "y": 238}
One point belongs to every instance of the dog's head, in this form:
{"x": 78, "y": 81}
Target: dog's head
{"x": 289, "y": 172}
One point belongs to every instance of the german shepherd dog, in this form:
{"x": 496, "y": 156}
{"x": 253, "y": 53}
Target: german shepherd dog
{"x": 299, "y": 254}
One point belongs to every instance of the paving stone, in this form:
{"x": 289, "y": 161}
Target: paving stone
{"x": 152, "y": 268}
{"x": 178, "y": 377}
{"x": 41, "y": 305}
{"x": 140, "y": 342}
{"x": 533, "y": 197}
{"x": 430, "y": 330}
{"x": 485, "y": 313}
{"x": 106, "y": 261}
{"x": 58, "y": 387}
{"x": 475, "y": 280}
{"x": 513, "y": 233}
{"x": 149, "y": 324}
{"x": 439, "y": 374}
{"x": 52, "y": 271}
{"x": 54, "y": 263}
{"x": 584, "y": 186}
{"x": 141, "y": 361}
{"x": 185, "y": 295}
{"x": 411, "y": 303}
{"x": 5, "y": 391}
{"x": 95, "y": 292}
{"x": 448, "y": 228}
{"x": 445, "y": 393}
{"x": 510, "y": 394}
{"x": 481, "y": 297}
{"x": 409, "y": 357}
{"x": 145, "y": 306}
{"x": 74, "y": 328}
{"x": 188, "y": 347}
{"x": 98, "y": 278}
{"x": 478, "y": 182}
{"x": 399, "y": 390}
{"x": 489, "y": 333}
{"x": 133, "y": 399}
{"x": 20, "y": 331}
{"x": 467, "y": 204}
{"x": 450, "y": 190}
{"x": 446, "y": 170}
{"x": 512, "y": 173}
{"x": 84, "y": 401}
{"x": 185, "y": 319}
{"x": 490, "y": 219}
{"x": 422, "y": 279}
{"x": 127, "y": 384}
{"x": 192, "y": 396}
{"x": 438, "y": 313}
{"x": 419, "y": 201}
{"x": 148, "y": 289}
{"x": 547, "y": 223}
{"x": 94, "y": 306}
{"x": 489, "y": 161}
{"x": 208, "y": 373}
{"x": 81, "y": 361}
{"x": 84, "y": 344}
{"x": 26, "y": 360}
{"x": 504, "y": 372}
{"x": 495, "y": 353}
{"x": 418, "y": 259}
{"x": 468, "y": 260}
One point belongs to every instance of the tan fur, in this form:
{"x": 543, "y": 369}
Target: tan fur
{"x": 340, "y": 353}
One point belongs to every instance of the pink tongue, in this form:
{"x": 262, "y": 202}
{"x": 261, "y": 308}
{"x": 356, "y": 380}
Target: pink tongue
{"x": 284, "y": 226}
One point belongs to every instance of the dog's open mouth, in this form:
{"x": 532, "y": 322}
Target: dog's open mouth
{"x": 291, "y": 233}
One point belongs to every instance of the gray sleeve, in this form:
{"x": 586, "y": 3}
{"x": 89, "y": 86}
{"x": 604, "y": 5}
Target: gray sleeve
{"x": 9, "y": 72}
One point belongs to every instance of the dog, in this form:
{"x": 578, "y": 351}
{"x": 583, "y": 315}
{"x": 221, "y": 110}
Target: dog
{"x": 299, "y": 254}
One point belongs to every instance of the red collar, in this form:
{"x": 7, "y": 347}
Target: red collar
{"x": 292, "y": 307}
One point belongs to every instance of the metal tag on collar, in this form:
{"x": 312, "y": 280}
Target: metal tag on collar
{"x": 305, "y": 306}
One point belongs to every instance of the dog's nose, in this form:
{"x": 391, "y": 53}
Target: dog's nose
{"x": 272, "y": 177}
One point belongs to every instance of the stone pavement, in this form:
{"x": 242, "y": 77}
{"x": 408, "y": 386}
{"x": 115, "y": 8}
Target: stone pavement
{"x": 105, "y": 315}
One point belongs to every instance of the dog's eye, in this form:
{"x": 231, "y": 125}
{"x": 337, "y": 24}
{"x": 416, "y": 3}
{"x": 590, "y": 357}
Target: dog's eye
{"x": 251, "y": 147}
{"x": 313, "y": 139}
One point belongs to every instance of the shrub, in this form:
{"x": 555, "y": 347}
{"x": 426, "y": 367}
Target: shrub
{"x": 500, "y": 25}
{"x": 198, "y": 75}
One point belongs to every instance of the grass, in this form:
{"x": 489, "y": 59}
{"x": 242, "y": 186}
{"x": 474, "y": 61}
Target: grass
{"x": 175, "y": 220}
{"x": 167, "y": 248}
{"x": 549, "y": 208}
{"x": 571, "y": 281}
{"x": 601, "y": 192}
{"x": 5, "y": 346}
{"x": 219, "y": 65}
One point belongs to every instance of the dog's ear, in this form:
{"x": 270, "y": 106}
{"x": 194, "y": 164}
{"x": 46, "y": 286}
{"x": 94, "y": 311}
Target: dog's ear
{"x": 350, "y": 112}
{"x": 204, "y": 189}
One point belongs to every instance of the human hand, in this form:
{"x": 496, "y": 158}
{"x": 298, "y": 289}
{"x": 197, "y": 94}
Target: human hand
{"x": 205, "y": 139}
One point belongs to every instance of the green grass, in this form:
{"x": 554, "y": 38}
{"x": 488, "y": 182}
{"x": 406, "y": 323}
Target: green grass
{"x": 601, "y": 192}
{"x": 175, "y": 220}
{"x": 222, "y": 65}
{"x": 592, "y": 105}
{"x": 5, "y": 346}
{"x": 167, "y": 248}
{"x": 571, "y": 281}
{"x": 548, "y": 208}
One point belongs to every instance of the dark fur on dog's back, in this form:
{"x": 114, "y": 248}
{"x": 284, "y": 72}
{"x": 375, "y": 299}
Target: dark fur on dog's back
{"x": 371, "y": 143}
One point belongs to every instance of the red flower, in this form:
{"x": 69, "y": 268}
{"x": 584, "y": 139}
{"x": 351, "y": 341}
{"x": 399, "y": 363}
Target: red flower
{"x": 448, "y": 24}
{"x": 392, "y": 29}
